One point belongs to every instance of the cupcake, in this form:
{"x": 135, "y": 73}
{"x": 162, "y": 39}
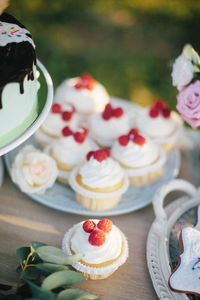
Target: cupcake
{"x": 160, "y": 124}
{"x": 70, "y": 150}
{"x": 86, "y": 94}
{"x": 100, "y": 182}
{"x": 107, "y": 126}
{"x": 59, "y": 117}
{"x": 141, "y": 158}
{"x": 103, "y": 245}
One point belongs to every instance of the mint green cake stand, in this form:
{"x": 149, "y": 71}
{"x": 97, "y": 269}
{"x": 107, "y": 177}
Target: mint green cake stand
{"x": 21, "y": 134}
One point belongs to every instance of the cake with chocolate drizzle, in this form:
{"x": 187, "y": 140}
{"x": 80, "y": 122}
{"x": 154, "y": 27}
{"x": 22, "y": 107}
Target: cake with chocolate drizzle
{"x": 18, "y": 83}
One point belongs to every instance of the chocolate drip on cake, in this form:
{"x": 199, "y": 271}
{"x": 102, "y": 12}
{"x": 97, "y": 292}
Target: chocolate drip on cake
{"x": 16, "y": 59}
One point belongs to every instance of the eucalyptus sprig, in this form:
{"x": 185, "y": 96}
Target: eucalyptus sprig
{"x": 45, "y": 272}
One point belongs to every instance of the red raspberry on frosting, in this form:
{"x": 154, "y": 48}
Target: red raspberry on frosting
{"x": 67, "y": 115}
{"x": 123, "y": 140}
{"x": 89, "y": 155}
{"x": 105, "y": 225}
{"x": 101, "y": 154}
{"x": 88, "y": 226}
{"x": 166, "y": 112}
{"x": 140, "y": 140}
{"x": 66, "y": 131}
{"x": 159, "y": 104}
{"x": 118, "y": 112}
{"x": 79, "y": 137}
{"x": 56, "y": 108}
{"x": 97, "y": 237}
{"x": 153, "y": 112}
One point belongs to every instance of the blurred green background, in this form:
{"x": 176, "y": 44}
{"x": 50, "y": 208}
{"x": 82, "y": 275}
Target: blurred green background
{"x": 127, "y": 45}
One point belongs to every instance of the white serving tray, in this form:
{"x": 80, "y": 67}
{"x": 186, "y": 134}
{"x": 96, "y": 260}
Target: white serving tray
{"x": 157, "y": 250}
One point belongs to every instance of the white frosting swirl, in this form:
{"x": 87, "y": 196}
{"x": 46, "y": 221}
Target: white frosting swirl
{"x": 106, "y": 131}
{"x": 85, "y": 101}
{"x": 13, "y": 33}
{"x": 33, "y": 170}
{"x": 67, "y": 151}
{"x": 54, "y": 124}
{"x": 97, "y": 174}
{"x": 134, "y": 155}
{"x": 159, "y": 127}
{"x": 96, "y": 254}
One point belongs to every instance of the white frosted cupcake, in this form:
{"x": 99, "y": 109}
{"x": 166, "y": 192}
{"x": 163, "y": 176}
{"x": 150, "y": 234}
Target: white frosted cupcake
{"x": 59, "y": 117}
{"x": 33, "y": 171}
{"x": 141, "y": 158}
{"x": 86, "y": 94}
{"x": 107, "y": 126}
{"x": 160, "y": 124}
{"x": 100, "y": 182}
{"x": 70, "y": 150}
{"x": 103, "y": 245}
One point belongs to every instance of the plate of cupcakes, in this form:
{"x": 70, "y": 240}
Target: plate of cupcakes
{"x": 93, "y": 155}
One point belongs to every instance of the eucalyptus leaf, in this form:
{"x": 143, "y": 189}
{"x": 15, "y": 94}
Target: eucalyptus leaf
{"x": 48, "y": 268}
{"x": 35, "y": 245}
{"x": 57, "y": 256}
{"x": 31, "y": 273}
{"x": 40, "y": 293}
{"x": 195, "y": 57}
{"x": 12, "y": 297}
{"x": 62, "y": 278}
{"x": 75, "y": 294}
{"x": 22, "y": 253}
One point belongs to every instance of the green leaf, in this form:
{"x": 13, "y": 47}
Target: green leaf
{"x": 75, "y": 294}
{"x": 40, "y": 293}
{"x": 48, "y": 268}
{"x": 187, "y": 51}
{"x": 22, "y": 253}
{"x": 35, "y": 245}
{"x": 57, "y": 256}
{"x": 62, "y": 278}
{"x": 31, "y": 273}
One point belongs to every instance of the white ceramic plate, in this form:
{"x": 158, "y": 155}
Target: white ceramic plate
{"x": 62, "y": 197}
{"x": 41, "y": 117}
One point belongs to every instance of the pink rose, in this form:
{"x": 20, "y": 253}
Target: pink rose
{"x": 189, "y": 104}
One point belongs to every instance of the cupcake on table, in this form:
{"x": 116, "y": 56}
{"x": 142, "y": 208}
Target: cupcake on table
{"x": 141, "y": 158}
{"x": 161, "y": 124}
{"x": 86, "y": 94}
{"x": 99, "y": 182}
{"x": 70, "y": 150}
{"x": 59, "y": 117}
{"x": 103, "y": 245}
{"x": 107, "y": 126}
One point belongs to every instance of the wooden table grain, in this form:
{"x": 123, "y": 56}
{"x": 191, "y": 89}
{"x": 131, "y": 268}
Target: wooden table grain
{"x": 23, "y": 220}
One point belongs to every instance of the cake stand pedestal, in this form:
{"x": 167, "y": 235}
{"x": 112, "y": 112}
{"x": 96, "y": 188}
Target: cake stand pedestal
{"x": 46, "y": 105}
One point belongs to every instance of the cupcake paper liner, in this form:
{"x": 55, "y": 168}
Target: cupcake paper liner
{"x": 92, "y": 272}
{"x": 86, "y": 193}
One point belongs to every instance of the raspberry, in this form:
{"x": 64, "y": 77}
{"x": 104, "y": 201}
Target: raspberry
{"x": 78, "y": 85}
{"x": 66, "y": 115}
{"x": 97, "y": 237}
{"x": 118, "y": 112}
{"x": 56, "y": 108}
{"x": 133, "y": 131}
{"x": 123, "y": 140}
{"x": 159, "y": 105}
{"x": 105, "y": 225}
{"x": 79, "y": 137}
{"x": 106, "y": 115}
{"x": 100, "y": 154}
{"x": 90, "y": 154}
{"x": 66, "y": 131}
{"x": 166, "y": 113}
{"x": 138, "y": 139}
{"x": 86, "y": 76}
{"x": 88, "y": 226}
{"x": 108, "y": 107}
{"x": 85, "y": 130}
{"x": 90, "y": 85}
{"x": 153, "y": 112}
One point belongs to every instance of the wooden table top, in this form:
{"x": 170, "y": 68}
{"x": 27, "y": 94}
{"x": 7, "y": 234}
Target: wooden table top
{"x": 23, "y": 220}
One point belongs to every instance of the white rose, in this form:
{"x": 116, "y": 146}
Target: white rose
{"x": 33, "y": 171}
{"x": 182, "y": 72}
